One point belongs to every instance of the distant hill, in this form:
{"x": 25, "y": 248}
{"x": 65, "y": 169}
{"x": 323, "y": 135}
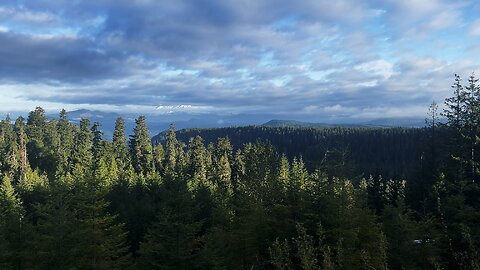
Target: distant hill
{"x": 381, "y": 122}
{"x": 397, "y": 122}
{"x": 294, "y": 123}
{"x": 159, "y": 123}
{"x": 372, "y": 150}
{"x": 107, "y": 119}
{"x": 156, "y": 123}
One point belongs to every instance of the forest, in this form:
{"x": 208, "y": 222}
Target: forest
{"x": 351, "y": 152}
{"x": 244, "y": 197}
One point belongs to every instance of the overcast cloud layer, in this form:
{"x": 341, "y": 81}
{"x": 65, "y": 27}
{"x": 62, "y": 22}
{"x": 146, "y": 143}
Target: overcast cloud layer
{"x": 306, "y": 60}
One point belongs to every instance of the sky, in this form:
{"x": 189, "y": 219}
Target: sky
{"x": 342, "y": 60}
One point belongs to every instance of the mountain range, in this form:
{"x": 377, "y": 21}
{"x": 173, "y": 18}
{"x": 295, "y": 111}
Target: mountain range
{"x": 159, "y": 123}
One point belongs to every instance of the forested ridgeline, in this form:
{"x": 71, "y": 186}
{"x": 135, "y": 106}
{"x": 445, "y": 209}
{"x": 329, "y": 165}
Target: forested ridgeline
{"x": 348, "y": 151}
{"x": 71, "y": 200}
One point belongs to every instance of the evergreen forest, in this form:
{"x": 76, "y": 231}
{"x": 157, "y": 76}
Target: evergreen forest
{"x": 243, "y": 197}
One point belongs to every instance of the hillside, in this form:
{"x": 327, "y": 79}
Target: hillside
{"x": 390, "y": 152}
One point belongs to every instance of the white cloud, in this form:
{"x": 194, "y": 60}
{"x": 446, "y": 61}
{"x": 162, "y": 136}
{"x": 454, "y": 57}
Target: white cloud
{"x": 22, "y": 14}
{"x": 475, "y": 28}
{"x": 444, "y": 20}
{"x": 377, "y": 68}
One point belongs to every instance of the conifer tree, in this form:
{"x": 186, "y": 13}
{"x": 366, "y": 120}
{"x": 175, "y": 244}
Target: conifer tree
{"x": 22, "y": 140}
{"x": 119, "y": 142}
{"x": 197, "y": 168}
{"x": 224, "y": 173}
{"x": 456, "y": 109}
{"x": 65, "y": 131}
{"x": 173, "y": 242}
{"x": 222, "y": 164}
{"x": 98, "y": 145}
{"x": 9, "y": 148}
{"x": 82, "y": 156}
{"x": 284, "y": 172}
{"x": 306, "y": 250}
{"x": 74, "y": 231}
{"x": 324, "y": 249}
{"x": 172, "y": 150}
{"x": 456, "y": 112}
{"x": 141, "y": 148}
{"x": 280, "y": 255}
{"x": 159, "y": 157}
{"x": 32, "y": 180}
{"x": 36, "y": 131}
{"x": 299, "y": 174}
{"x": 12, "y": 229}
{"x": 472, "y": 126}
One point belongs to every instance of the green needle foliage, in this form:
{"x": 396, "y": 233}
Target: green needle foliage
{"x": 243, "y": 197}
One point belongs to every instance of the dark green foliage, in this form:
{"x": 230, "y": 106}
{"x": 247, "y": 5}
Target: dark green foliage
{"x": 344, "y": 152}
{"x": 66, "y": 133}
{"x": 8, "y": 148}
{"x": 119, "y": 144}
{"x": 12, "y": 227}
{"x": 82, "y": 156}
{"x": 173, "y": 240}
{"x": 74, "y": 230}
{"x": 300, "y": 199}
{"x": 98, "y": 144}
{"x": 172, "y": 151}
{"x": 42, "y": 143}
{"x": 141, "y": 148}
{"x": 197, "y": 155}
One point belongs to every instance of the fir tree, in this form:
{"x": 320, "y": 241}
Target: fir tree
{"x": 82, "y": 156}
{"x": 119, "y": 142}
{"x": 159, "y": 157}
{"x": 22, "y": 140}
{"x": 172, "y": 150}
{"x": 74, "y": 231}
{"x": 141, "y": 148}
{"x": 12, "y": 228}
{"x": 172, "y": 241}
{"x": 197, "y": 168}
{"x": 97, "y": 141}
{"x": 306, "y": 250}
{"x": 65, "y": 131}
{"x": 9, "y": 149}
{"x": 280, "y": 255}
{"x": 36, "y": 132}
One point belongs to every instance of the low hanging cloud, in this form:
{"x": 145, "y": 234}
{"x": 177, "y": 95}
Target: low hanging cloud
{"x": 308, "y": 59}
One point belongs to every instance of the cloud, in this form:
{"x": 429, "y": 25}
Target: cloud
{"x": 310, "y": 58}
{"x": 475, "y": 28}
{"x": 24, "y": 15}
{"x": 380, "y": 68}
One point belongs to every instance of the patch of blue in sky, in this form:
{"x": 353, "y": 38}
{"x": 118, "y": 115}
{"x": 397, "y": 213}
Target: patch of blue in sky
{"x": 281, "y": 81}
{"x": 166, "y": 71}
{"x": 321, "y": 75}
{"x": 267, "y": 59}
{"x": 286, "y": 24}
{"x": 377, "y": 28}
{"x": 444, "y": 45}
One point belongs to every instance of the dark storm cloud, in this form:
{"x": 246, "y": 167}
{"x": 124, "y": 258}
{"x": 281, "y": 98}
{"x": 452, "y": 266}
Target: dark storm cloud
{"x": 29, "y": 59}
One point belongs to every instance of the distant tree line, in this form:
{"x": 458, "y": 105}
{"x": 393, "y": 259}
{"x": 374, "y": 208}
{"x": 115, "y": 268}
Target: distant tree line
{"x": 347, "y": 151}
{"x": 69, "y": 199}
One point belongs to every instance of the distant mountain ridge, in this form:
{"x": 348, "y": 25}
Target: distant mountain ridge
{"x": 159, "y": 123}
{"x": 294, "y": 123}
{"x": 156, "y": 123}
{"x": 381, "y": 122}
